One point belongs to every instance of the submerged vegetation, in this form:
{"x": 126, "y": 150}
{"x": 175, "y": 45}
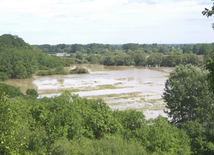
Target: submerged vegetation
{"x": 58, "y": 71}
{"x": 79, "y": 71}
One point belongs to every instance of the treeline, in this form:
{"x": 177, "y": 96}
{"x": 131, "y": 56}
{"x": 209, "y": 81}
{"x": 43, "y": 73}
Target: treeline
{"x": 155, "y": 59}
{"x": 96, "y": 48}
{"x": 134, "y": 54}
{"x": 20, "y": 60}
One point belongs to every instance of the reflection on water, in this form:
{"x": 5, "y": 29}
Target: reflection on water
{"x": 121, "y": 87}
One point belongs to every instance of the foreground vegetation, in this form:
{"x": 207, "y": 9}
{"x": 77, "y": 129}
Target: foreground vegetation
{"x": 69, "y": 124}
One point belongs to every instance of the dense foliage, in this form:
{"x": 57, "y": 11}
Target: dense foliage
{"x": 187, "y": 95}
{"x": 134, "y": 54}
{"x": 79, "y": 71}
{"x": 191, "y": 106}
{"x": 59, "y": 70}
{"x": 68, "y": 124}
{"x": 210, "y": 67}
{"x": 10, "y": 90}
{"x": 20, "y": 60}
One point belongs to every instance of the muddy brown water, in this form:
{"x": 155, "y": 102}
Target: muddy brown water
{"x": 121, "y": 88}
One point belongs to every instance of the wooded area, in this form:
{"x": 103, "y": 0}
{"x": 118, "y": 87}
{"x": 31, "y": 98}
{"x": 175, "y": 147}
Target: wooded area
{"x": 69, "y": 124}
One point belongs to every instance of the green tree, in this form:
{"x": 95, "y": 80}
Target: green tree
{"x": 190, "y": 58}
{"x": 201, "y": 138}
{"x": 130, "y": 46}
{"x": 32, "y": 92}
{"x": 207, "y": 52}
{"x": 20, "y": 70}
{"x": 155, "y": 59}
{"x": 163, "y": 138}
{"x": 208, "y": 12}
{"x": 9, "y": 144}
{"x": 210, "y": 63}
{"x": 210, "y": 67}
{"x": 187, "y": 96}
{"x": 3, "y": 76}
{"x": 140, "y": 58}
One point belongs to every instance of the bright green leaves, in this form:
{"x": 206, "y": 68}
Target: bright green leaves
{"x": 10, "y": 90}
{"x": 131, "y": 120}
{"x": 163, "y": 138}
{"x": 190, "y": 106}
{"x": 51, "y": 125}
{"x": 208, "y": 12}
{"x": 10, "y": 142}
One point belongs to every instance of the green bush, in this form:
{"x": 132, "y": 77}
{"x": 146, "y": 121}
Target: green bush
{"x": 110, "y": 145}
{"x": 42, "y": 73}
{"x": 164, "y": 138}
{"x": 79, "y": 71}
{"x": 32, "y": 93}
{"x": 60, "y": 70}
{"x": 10, "y": 90}
{"x": 3, "y": 76}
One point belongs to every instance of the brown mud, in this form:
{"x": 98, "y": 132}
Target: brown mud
{"x": 121, "y": 88}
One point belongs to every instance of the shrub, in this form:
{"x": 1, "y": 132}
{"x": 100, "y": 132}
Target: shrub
{"x": 32, "y": 93}
{"x": 79, "y": 71}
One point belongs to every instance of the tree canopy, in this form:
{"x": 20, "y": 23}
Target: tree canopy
{"x": 20, "y": 60}
{"x": 187, "y": 96}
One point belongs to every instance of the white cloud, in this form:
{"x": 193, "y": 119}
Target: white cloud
{"x": 120, "y": 18}
{"x": 35, "y": 29}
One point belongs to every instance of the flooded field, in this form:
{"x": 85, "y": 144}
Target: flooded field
{"x": 121, "y": 87}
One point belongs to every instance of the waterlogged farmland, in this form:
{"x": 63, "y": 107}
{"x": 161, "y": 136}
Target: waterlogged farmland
{"x": 121, "y": 88}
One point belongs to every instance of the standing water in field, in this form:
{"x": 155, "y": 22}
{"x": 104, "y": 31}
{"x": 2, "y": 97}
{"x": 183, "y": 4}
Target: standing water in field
{"x": 137, "y": 88}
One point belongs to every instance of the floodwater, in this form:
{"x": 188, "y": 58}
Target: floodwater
{"x": 121, "y": 88}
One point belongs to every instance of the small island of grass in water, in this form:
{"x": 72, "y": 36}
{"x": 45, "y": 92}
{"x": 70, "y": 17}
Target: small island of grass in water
{"x": 79, "y": 71}
{"x": 58, "y": 71}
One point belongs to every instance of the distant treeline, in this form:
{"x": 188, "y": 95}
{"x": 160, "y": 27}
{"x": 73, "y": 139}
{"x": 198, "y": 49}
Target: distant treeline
{"x": 134, "y": 54}
{"x": 96, "y": 48}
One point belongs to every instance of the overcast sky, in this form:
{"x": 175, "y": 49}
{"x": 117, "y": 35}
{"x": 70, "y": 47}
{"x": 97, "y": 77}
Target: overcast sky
{"x": 107, "y": 21}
